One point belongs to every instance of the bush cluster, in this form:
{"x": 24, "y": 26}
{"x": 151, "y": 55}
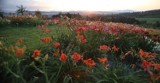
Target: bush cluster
{"x": 24, "y": 20}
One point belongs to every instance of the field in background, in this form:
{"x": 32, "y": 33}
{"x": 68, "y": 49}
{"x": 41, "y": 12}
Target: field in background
{"x": 149, "y": 20}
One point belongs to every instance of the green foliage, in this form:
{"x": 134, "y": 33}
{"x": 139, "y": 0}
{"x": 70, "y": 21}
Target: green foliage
{"x": 119, "y": 73}
{"x": 4, "y": 22}
{"x": 48, "y": 66}
{"x": 150, "y": 22}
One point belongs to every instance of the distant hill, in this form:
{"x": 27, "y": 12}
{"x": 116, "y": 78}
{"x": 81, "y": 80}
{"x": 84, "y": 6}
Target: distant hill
{"x": 125, "y": 13}
{"x": 143, "y": 14}
{"x": 76, "y": 12}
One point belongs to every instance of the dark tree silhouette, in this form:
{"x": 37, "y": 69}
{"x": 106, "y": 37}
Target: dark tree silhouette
{"x": 21, "y": 9}
{"x": 1, "y": 13}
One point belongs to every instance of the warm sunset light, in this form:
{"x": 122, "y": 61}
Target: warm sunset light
{"x": 87, "y": 5}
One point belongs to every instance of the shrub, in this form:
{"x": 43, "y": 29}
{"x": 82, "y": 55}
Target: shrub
{"x": 24, "y": 20}
{"x": 4, "y": 22}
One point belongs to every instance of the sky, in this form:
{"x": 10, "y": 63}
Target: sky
{"x": 84, "y": 5}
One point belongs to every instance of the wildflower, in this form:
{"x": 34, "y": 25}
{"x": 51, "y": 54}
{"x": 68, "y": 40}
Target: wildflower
{"x": 63, "y": 58}
{"x": 82, "y": 38}
{"x": 114, "y": 48}
{"x": 89, "y": 62}
{"x": 76, "y": 57}
{"x": 146, "y": 55}
{"x": 154, "y": 77}
{"x": 20, "y": 40}
{"x": 56, "y": 44}
{"x": 55, "y": 20}
{"x": 146, "y": 65}
{"x": 20, "y": 52}
{"x": 157, "y": 67}
{"x": 142, "y": 53}
{"x": 56, "y": 53}
{"x": 80, "y": 29}
{"x": 115, "y": 34}
{"x": 43, "y": 26}
{"x": 104, "y": 48}
{"x": 46, "y": 21}
{"x": 103, "y": 60}
{"x": 46, "y": 40}
{"x": 47, "y": 31}
{"x": 36, "y": 53}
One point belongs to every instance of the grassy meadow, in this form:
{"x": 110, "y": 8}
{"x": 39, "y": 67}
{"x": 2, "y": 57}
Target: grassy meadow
{"x": 30, "y": 35}
{"x": 149, "y": 20}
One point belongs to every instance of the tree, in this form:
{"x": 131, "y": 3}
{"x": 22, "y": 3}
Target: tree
{"x": 21, "y": 9}
{"x": 1, "y": 13}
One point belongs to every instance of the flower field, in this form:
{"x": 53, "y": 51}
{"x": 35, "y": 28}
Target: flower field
{"x": 80, "y": 51}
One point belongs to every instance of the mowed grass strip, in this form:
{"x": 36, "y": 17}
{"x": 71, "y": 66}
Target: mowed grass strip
{"x": 149, "y": 20}
{"x": 30, "y": 35}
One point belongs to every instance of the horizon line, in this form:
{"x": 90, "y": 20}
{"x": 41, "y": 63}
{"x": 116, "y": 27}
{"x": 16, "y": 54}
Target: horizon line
{"x": 84, "y": 10}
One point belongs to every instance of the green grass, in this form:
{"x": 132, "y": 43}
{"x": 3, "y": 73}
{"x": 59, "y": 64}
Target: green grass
{"x": 30, "y": 35}
{"x": 149, "y": 20}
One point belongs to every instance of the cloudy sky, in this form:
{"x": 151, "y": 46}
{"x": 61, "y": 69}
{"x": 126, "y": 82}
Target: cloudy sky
{"x": 73, "y": 5}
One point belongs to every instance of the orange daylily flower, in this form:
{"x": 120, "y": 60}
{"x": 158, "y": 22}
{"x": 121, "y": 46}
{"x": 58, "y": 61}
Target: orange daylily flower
{"x": 47, "y": 31}
{"x": 89, "y": 62}
{"x": 82, "y": 38}
{"x": 20, "y": 52}
{"x": 63, "y": 58}
{"x": 46, "y": 39}
{"x": 142, "y": 53}
{"x": 76, "y": 57}
{"x": 157, "y": 67}
{"x": 114, "y": 48}
{"x": 154, "y": 76}
{"x": 20, "y": 40}
{"x": 146, "y": 55}
{"x": 103, "y": 60}
{"x": 36, "y": 53}
{"x": 56, "y": 53}
{"x": 104, "y": 48}
{"x": 146, "y": 65}
{"x": 56, "y": 44}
